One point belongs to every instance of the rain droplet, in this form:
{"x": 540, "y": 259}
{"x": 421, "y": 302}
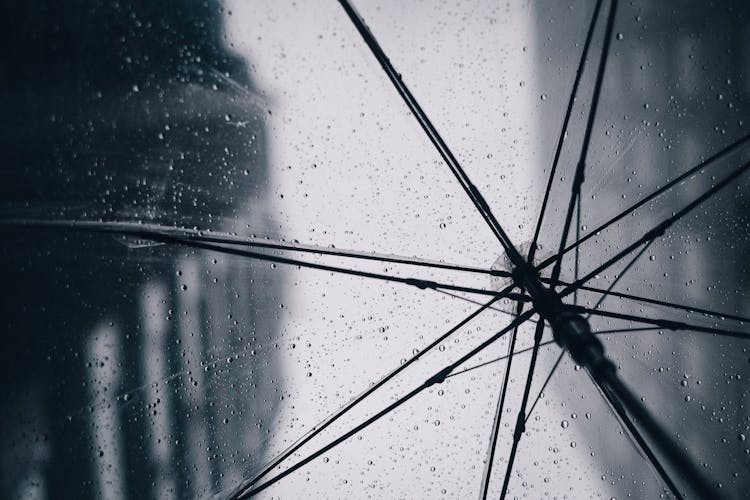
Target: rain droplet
{"x": 620, "y": 36}
{"x": 564, "y": 424}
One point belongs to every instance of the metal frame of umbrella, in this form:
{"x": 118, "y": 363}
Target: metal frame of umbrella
{"x": 533, "y": 293}
{"x": 570, "y": 329}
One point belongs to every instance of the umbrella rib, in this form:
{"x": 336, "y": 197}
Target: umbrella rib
{"x": 476, "y": 302}
{"x": 628, "y": 330}
{"x": 704, "y": 164}
{"x": 450, "y": 160}
{"x": 419, "y": 283}
{"x": 564, "y": 129}
{"x": 550, "y": 342}
{"x": 140, "y": 229}
{"x": 532, "y": 251}
{"x": 544, "y": 386}
{"x": 501, "y": 400}
{"x": 577, "y": 268}
{"x": 581, "y": 165}
{"x": 487, "y": 474}
{"x": 321, "y": 426}
{"x": 125, "y": 228}
{"x": 658, "y": 230}
{"x": 520, "y": 426}
{"x": 353, "y": 254}
{"x": 619, "y": 276}
{"x": 576, "y": 194}
{"x": 663, "y": 303}
{"x": 437, "y": 378}
{"x": 663, "y": 323}
{"x": 492, "y": 361}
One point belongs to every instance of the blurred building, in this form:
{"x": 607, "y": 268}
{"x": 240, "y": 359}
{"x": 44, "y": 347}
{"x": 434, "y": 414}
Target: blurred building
{"x": 676, "y": 91}
{"x": 130, "y": 369}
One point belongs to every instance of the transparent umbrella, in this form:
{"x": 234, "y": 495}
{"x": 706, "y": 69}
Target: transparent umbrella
{"x": 581, "y": 170}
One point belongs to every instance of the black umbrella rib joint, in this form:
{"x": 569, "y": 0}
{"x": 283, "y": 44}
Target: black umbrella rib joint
{"x": 570, "y": 329}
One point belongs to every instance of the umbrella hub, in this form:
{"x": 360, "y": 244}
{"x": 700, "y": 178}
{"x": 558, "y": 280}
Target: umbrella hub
{"x": 569, "y": 328}
{"x": 573, "y": 332}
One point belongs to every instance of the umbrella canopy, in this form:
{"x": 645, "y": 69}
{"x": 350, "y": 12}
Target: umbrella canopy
{"x": 192, "y": 309}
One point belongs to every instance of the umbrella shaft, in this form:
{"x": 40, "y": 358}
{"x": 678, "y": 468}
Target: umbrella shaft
{"x": 674, "y": 455}
{"x": 573, "y": 333}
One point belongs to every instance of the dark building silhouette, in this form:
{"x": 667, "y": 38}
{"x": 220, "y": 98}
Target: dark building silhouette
{"x": 130, "y": 369}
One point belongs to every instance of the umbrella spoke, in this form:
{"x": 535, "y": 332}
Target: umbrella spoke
{"x": 476, "y": 302}
{"x": 628, "y": 330}
{"x": 577, "y": 268}
{"x": 581, "y": 166}
{"x": 320, "y": 427}
{"x": 630, "y": 264}
{"x": 550, "y": 342}
{"x": 564, "y": 129}
{"x": 450, "y": 160}
{"x": 495, "y": 360}
{"x": 733, "y": 147}
{"x": 662, "y": 303}
{"x": 658, "y": 230}
{"x": 544, "y": 385}
{"x": 126, "y": 229}
{"x": 558, "y": 150}
{"x": 663, "y": 323}
{"x": 532, "y": 249}
{"x": 499, "y": 410}
{"x": 437, "y": 378}
{"x": 520, "y": 427}
{"x": 419, "y": 283}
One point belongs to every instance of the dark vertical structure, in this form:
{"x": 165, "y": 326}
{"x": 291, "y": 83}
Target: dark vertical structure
{"x": 130, "y": 370}
{"x": 675, "y": 92}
